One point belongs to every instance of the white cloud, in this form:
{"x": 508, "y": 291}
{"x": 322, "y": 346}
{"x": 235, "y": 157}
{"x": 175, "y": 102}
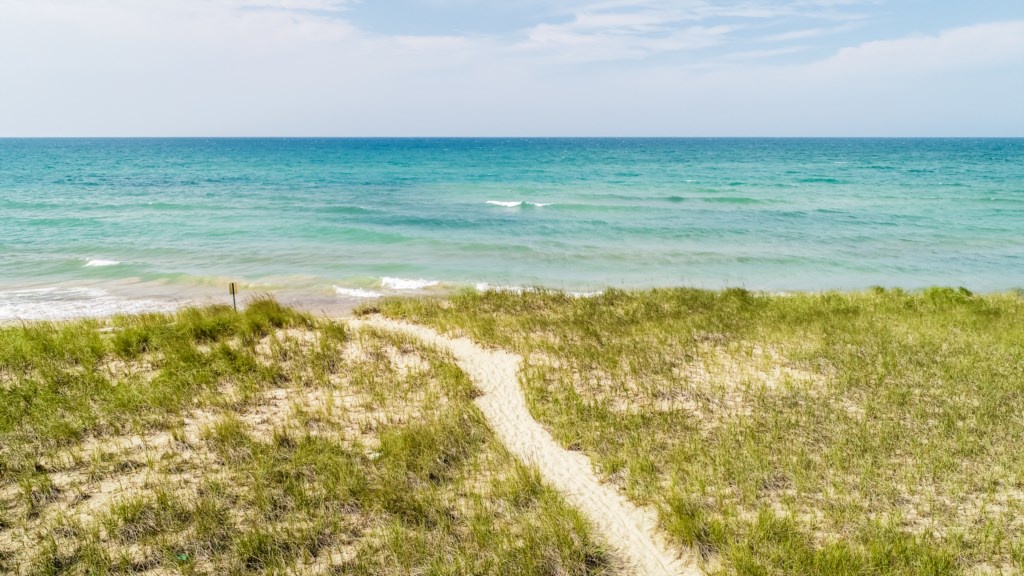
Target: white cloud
{"x": 807, "y": 33}
{"x": 301, "y": 67}
{"x": 565, "y": 44}
{"x": 964, "y": 81}
{"x": 978, "y": 45}
{"x": 635, "y": 29}
{"x": 309, "y": 5}
{"x": 757, "y": 54}
{"x": 697, "y": 10}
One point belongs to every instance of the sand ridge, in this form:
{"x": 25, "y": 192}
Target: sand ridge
{"x": 629, "y": 531}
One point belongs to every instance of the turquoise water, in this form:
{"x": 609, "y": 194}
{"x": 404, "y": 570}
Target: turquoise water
{"x": 87, "y": 226}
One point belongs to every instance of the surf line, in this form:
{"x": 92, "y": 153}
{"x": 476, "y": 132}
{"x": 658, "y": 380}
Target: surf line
{"x": 628, "y": 530}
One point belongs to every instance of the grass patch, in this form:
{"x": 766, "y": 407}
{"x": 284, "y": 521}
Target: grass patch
{"x": 210, "y": 442}
{"x": 839, "y": 433}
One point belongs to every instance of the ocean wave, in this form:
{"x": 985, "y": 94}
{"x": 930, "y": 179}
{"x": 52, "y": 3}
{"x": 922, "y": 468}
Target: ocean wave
{"x": 346, "y": 209}
{"x": 517, "y": 203}
{"x": 69, "y": 303}
{"x": 407, "y": 283}
{"x": 168, "y": 206}
{"x": 356, "y": 292}
{"x": 821, "y": 181}
{"x": 732, "y": 200}
{"x": 99, "y": 262}
{"x": 486, "y": 287}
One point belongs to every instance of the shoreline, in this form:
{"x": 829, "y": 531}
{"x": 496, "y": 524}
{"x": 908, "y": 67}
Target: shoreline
{"x": 341, "y": 306}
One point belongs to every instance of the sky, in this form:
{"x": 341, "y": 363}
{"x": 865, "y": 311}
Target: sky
{"x": 511, "y": 68}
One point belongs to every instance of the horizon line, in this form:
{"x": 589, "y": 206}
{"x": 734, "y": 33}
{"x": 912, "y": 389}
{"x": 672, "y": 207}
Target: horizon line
{"x": 426, "y": 137}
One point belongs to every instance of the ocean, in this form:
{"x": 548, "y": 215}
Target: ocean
{"x": 97, "y": 226}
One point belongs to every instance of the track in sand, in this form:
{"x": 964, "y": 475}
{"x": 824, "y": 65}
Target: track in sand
{"x": 628, "y": 530}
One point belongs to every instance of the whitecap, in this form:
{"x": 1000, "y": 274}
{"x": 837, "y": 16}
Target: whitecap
{"x": 99, "y": 262}
{"x": 518, "y": 203}
{"x": 68, "y": 303}
{"x": 407, "y": 283}
{"x": 357, "y": 292}
{"x": 486, "y": 287}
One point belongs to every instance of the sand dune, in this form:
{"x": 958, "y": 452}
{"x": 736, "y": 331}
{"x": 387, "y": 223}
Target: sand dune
{"x": 628, "y": 530}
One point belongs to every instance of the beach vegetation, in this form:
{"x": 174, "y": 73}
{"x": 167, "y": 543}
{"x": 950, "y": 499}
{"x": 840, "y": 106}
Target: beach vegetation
{"x": 261, "y": 442}
{"x": 873, "y": 432}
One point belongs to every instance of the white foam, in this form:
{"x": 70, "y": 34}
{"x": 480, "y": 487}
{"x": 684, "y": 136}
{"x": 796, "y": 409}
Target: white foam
{"x": 98, "y": 262}
{"x": 517, "y": 203}
{"x": 485, "y": 287}
{"x": 406, "y": 283}
{"x": 357, "y": 292}
{"x": 67, "y": 303}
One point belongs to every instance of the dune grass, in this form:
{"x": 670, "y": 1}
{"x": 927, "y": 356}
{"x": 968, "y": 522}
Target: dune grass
{"x": 215, "y": 442}
{"x": 857, "y": 433}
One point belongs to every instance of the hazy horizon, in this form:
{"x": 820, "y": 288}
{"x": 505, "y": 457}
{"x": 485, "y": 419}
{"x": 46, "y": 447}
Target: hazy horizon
{"x": 508, "y": 137}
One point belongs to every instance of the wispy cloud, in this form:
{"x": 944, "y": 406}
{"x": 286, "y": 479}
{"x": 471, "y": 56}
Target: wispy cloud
{"x": 745, "y": 55}
{"x": 315, "y": 5}
{"x": 634, "y": 29}
{"x": 569, "y": 43}
{"x": 968, "y": 46}
{"x": 697, "y": 10}
{"x": 807, "y": 33}
{"x": 240, "y": 67}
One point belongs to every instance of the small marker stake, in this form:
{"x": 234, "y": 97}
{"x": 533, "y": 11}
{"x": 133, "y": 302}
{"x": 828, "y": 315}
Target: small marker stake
{"x": 233, "y": 288}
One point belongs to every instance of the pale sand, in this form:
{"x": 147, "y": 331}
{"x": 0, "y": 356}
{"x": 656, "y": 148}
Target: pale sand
{"x": 629, "y": 531}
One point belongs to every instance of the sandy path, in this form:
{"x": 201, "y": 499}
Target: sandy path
{"x": 630, "y": 531}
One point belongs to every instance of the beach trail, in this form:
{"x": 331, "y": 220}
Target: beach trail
{"x": 629, "y": 531}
